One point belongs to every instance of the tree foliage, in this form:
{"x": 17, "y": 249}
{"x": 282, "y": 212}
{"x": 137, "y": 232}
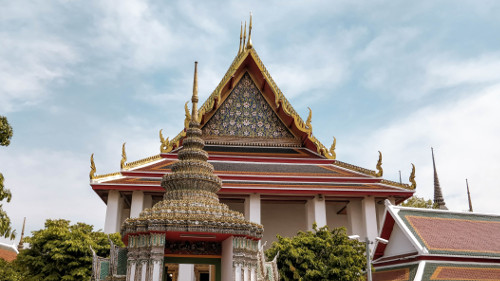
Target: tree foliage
{"x": 321, "y": 254}
{"x": 61, "y": 251}
{"x": 9, "y": 271}
{"x": 5, "y": 194}
{"x": 419, "y": 202}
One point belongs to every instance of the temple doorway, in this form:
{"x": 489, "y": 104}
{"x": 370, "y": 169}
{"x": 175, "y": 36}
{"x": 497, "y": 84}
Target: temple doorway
{"x": 192, "y": 269}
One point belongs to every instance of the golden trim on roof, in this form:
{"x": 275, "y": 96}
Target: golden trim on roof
{"x": 124, "y": 157}
{"x": 396, "y": 184}
{"x": 354, "y": 168}
{"x": 380, "y": 171}
{"x": 107, "y": 175}
{"x": 412, "y": 177}
{"x": 165, "y": 146}
{"x": 140, "y": 162}
{"x": 188, "y": 115}
{"x": 92, "y": 167}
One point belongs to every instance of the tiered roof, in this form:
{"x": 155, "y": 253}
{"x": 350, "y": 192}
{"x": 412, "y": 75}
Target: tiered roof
{"x": 444, "y": 245}
{"x": 257, "y": 142}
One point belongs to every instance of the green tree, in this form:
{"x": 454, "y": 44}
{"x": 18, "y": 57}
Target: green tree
{"x": 5, "y": 194}
{"x": 9, "y": 271}
{"x": 419, "y": 202}
{"x": 321, "y": 254}
{"x": 61, "y": 251}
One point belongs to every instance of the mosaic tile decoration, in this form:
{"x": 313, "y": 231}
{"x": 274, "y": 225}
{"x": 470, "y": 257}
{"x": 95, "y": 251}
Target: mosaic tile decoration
{"x": 245, "y": 113}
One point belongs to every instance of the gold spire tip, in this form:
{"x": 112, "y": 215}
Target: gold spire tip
{"x": 244, "y": 36}
{"x": 241, "y": 37}
{"x": 249, "y": 43}
{"x": 194, "y": 99}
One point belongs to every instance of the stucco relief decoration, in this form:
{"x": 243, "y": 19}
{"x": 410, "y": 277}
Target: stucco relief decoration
{"x": 245, "y": 113}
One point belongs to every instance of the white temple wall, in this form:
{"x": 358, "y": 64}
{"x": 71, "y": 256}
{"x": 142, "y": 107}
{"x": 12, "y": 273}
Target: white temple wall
{"x": 355, "y": 218}
{"x": 380, "y": 207}
{"x": 114, "y": 208}
{"x": 253, "y": 208}
{"x": 282, "y": 218}
{"x": 332, "y": 218}
{"x": 316, "y": 212}
{"x": 369, "y": 218}
{"x": 227, "y": 272}
{"x": 137, "y": 203}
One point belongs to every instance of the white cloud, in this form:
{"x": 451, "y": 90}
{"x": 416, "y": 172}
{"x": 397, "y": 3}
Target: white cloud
{"x": 443, "y": 72}
{"x": 49, "y": 184}
{"x": 465, "y": 135}
{"x": 28, "y": 66}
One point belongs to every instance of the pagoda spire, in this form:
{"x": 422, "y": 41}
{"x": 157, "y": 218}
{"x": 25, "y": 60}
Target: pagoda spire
{"x": 192, "y": 177}
{"x": 468, "y": 195}
{"x": 20, "y": 246}
{"x": 194, "y": 99}
{"x": 438, "y": 195}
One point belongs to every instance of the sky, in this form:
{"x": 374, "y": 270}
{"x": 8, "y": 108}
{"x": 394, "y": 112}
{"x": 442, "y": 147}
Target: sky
{"x": 400, "y": 77}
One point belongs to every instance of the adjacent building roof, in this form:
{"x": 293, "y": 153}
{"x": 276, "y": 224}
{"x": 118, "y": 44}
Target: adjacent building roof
{"x": 445, "y": 245}
{"x": 8, "y": 252}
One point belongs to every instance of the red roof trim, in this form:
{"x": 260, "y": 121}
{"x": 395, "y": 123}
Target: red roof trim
{"x": 386, "y": 232}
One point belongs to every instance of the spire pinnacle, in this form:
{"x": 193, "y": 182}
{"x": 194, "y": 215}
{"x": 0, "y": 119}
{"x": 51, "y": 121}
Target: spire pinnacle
{"x": 244, "y": 37}
{"x": 194, "y": 99}
{"x": 249, "y": 43}
{"x": 241, "y": 38}
{"x": 21, "y": 241}
{"x": 468, "y": 195}
{"x": 438, "y": 195}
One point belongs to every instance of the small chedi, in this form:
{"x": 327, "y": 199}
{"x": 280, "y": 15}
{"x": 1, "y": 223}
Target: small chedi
{"x": 190, "y": 226}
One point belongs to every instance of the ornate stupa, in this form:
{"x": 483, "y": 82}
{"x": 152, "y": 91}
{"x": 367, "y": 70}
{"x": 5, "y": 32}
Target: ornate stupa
{"x": 190, "y": 222}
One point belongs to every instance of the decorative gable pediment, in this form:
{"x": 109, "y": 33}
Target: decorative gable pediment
{"x": 246, "y": 118}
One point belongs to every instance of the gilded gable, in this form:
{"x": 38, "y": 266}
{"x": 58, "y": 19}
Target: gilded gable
{"x": 246, "y": 116}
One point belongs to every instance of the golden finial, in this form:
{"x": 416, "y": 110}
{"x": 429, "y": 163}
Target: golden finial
{"x": 380, "y": 171}
{"x": 308, "y": 122}
{"x": 241, "y": 38}
{"x": 21, "y": 241}
{"x": 188, "y": 115}
{"x": 124, "y": 157}
{"x": 412, "y": 177}
{"x": 332, "y": 149}
{"x": 164, "y": 146}
{"x": 194, "y": 99}
{"x": 244, "y": 37}
{"x": 92, "y": 167}
{"x": 249, "y": 43}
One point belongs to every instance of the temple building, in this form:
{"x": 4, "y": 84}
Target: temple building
{"x": 430, "y": 244}
{"x": 270, "y": 176}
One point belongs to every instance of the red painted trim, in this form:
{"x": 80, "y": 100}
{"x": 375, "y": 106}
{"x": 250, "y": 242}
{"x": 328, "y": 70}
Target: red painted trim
{"x": 263, "y": 191}
{"x": 439, "y": 258}
{"x": 257, "y": 177}
{"x": 387, "y": 228}
{"x": 260, "y": 159}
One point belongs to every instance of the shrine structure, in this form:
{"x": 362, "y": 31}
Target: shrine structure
{"x": 268, "y": 170}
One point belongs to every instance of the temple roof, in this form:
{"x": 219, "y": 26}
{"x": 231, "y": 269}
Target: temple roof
{"x": 443, "y": 233}
{"x": 253, "y": 133}
{"x": 246, "y": 169}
